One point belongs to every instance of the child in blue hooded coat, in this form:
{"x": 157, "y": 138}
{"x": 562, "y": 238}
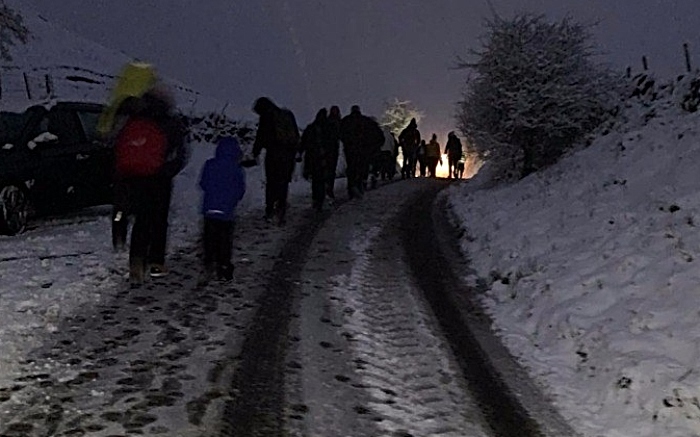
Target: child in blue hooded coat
{"x": 223, "y": 183}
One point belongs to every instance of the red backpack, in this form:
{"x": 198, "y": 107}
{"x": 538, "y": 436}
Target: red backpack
{"x": 140, "y": 148}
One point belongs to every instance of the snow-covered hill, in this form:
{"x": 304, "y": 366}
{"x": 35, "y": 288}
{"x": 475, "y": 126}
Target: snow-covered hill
{"x": 594, "y": 270}
{"x": 60, "y": 64}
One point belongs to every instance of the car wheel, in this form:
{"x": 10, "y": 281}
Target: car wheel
{"x": 14, "y": 210}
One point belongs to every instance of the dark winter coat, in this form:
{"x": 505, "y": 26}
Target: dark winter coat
{"x": 223, "y": 181}
{"x": 267, "y": 135}
{"x": 317, "y": 146}
{"x": 280, "y": 156}
{"x": 432, "y": 149}
{"x": 453, "y": 148}
{"x": 361, "y": 135}
{"x": 409, "y": 138}
{"x": 334, "y": 133}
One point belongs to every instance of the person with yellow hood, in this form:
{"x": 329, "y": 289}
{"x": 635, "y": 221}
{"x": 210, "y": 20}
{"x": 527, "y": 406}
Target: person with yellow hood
{"x": 148, "y": 137}
{"x": 135, "y": 79}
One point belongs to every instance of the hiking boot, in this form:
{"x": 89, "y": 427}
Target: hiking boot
{"x": 137, "y": 271}
{"x": 269, "y": 214}
{"x": 225, "y": 272}
{"x": 158, "y": 271}
{"x": 207, "y": 275}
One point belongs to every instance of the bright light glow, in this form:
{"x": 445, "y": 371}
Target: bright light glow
{"x": 443, "y": 169}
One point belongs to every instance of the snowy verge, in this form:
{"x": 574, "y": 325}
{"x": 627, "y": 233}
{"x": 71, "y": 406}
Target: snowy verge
{"x": 593, "y": 272}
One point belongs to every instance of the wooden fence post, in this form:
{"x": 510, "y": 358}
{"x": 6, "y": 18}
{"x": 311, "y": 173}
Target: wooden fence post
{"x": 49, "y": 87}
{"x": 26, "y": 85}
{"x": 687, "y": 57}
{"x": 629, "y": 72}
{"x": 645, "y": 65}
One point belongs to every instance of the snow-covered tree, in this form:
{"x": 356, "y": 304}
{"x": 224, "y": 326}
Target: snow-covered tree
{"x": 398, "y": 113}
{"x": 12, "y": 29}
{"x": 533, "y": 92}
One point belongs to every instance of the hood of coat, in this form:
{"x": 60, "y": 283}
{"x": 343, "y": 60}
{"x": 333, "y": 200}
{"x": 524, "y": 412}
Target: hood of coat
{"x": 229, "y": 149}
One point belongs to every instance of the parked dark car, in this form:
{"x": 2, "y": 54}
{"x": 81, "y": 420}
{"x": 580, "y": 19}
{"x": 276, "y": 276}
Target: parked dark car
{"x": 51, "y": 160}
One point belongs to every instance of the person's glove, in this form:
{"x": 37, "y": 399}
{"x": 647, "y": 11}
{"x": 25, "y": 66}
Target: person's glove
{"x": 249, "y": 161}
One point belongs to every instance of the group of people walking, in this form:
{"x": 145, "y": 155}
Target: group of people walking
{"x": 425, "y": 157}
{"x": 368, "y": 151}
{"x": 148, "y": 137}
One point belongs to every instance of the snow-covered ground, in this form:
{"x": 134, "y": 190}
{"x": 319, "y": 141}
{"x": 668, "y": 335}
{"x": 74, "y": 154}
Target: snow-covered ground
{"x": 595, "y": 276}
{"x": 65, "y": 263}
{"x": 593, "y": 265}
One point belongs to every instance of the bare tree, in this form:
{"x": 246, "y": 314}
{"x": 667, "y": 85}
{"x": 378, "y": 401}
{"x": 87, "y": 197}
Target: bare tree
{"x": 12, "y": 30}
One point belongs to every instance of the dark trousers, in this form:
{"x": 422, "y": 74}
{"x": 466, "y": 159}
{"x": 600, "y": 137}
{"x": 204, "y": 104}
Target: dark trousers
{"x": 278, "y": 174}
{"x": 453, "y": 162}
{"x": 408, "y": 170}
{"x": 385, "y": 165}
{"x": 353, "y": 173}
{"x": 330, "y": 175}
{"x": 423, "y": 164}
{"x": 121, "y": 210}
{"x": 431, "y": 162}
{"x": 149, "y": 199}
{"x": 218, "y": 242}
{"x": 365, "y": 164}
{"x": 318, "y": 188}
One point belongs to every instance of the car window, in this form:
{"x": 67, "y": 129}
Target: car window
{"x": 89, "y": 119}
{"x": 66, "y": 126}
{"x": 38, "y": 132}
{"x": 11, "y": 127}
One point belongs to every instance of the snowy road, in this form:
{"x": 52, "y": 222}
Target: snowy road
{"x": 355, "y": 336}
{"x": 372, "y": 361}
{"x": 333, "y": 327}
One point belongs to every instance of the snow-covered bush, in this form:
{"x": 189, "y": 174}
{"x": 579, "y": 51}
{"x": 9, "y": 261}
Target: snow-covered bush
{"x": 212, "y": 126}
{"x": 533, "y": 92}
{"x": 12, "y": 29}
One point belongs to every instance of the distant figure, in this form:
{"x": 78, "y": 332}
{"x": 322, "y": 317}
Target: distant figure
{"x": 316, "y": 146}
{"x": 223, "y": 182}
{"x": 453, "y": 150}
{"x": 149, "y": 151}
{"x": 334, "y": 147}
{"x": 279, "y": 135}
{"x": 460, "y": 168}
{"x": 432, "y": 156}
{"x": 362, "y": 137}
{"x": 409, "y": 140}
{"x": 385, "y": 166}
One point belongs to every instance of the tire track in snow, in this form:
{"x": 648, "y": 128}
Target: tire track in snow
{"x": 406, "y": 368}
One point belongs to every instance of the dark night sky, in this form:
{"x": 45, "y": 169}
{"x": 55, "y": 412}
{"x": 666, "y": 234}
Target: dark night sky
{"x": 311, "y": 53}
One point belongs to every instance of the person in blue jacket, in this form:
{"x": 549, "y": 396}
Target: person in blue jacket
{"x": 223, "y": 183}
